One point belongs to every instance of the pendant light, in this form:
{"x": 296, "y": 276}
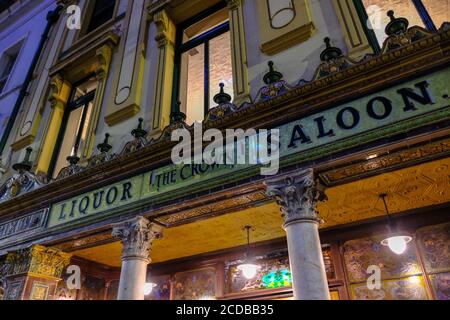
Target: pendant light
{"x": 397, "y": 242}
{"x": 248, "y": 268}
{"x": 148, "y": 288}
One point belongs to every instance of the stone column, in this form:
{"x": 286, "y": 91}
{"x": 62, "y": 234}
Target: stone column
{"x": 298, "y": 195}
{"x": 137, "y": 236}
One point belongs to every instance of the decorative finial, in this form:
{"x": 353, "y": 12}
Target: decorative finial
{"x": 397, "y": 25}
{"x": 74, "y": 159}
{"x": 139, "y": 132}
{"x": 105, "y": 146}
{"x": 222, "y": 97}
{"x": 177, "y": 116}
{"x": 330, "y": 52}
{"x": 272, "y": 76}
{"x": 26, "y": 164}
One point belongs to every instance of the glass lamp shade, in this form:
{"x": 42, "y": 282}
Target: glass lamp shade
{"x": 397, "y": 244}
{"x": 249, "y": 269}
{"x": 148, "y": 288}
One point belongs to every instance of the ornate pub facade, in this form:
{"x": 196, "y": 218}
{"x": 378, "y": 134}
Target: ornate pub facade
{"x": 93, "y": 208}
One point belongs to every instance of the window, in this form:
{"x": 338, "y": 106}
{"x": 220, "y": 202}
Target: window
{"x": 7, "y": 64}
{"x": 429, "y": 14}
{"x": 5, "y": 4}
{"x": 73, "y": 132}
{"x": 102, "y": 12}
{"x": 202, "y": 61}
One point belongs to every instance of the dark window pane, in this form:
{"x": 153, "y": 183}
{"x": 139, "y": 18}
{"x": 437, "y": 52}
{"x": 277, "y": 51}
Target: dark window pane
{"x": 103, "y": 12}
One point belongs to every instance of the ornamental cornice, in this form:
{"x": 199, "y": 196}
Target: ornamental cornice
{"x": 373, "y": 72}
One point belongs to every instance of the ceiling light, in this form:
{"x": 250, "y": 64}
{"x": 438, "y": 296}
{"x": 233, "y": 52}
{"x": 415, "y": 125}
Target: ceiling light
{"x": 397, "y": 242}
{"x": 248, "y": 268}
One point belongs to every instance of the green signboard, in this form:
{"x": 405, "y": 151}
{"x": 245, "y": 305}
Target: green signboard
{"x": 374, "y": 113}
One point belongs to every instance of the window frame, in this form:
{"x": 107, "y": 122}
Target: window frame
{"x": 371, "y": 37}
{"x": 71, "y": 106}
{"x": 89, "y": 12}
{"x": 205, "y": 38}
{"x": 15, "y": 49}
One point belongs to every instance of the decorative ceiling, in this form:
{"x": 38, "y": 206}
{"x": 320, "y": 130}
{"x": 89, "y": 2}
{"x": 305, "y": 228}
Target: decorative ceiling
{"x": 411, "y": 188}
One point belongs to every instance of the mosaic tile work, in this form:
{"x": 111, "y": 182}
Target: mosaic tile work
{"x": 441, "y": 285}
{"x": 362, "y": 253}
{"x": 412, "y": 288}
{"x": 434, "y": 246}
{"x": 195, "y": 285}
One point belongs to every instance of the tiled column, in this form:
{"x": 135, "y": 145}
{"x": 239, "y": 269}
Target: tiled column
{"x": 298, "y": 195}
{"x": 137, "y": 236}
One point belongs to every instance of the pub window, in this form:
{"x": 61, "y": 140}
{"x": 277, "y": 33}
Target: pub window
{"x": 202, "y": 62}
{"x": 74, "y": 127}
{"x": 7, "y": 64}
{"x": 102, "y": 12}
{"x": 429, "y": 14}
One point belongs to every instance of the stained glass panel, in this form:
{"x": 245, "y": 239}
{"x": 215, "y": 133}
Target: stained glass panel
{"x": 274, "y": 273}
{"x": 195, "y": 285}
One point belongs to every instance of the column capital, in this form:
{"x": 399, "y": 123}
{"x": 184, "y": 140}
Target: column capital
{"x": 38, "y": 260}
{"x": 234, "y": 4}
{"x": 137, "y": 236}
{"x": 164, "y": 26}
{"x": 297, "y": 194}
{"x": 59, "y": 91}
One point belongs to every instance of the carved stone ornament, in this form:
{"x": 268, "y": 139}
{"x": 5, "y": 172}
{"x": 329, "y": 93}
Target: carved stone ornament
{"x": 23, "y": 181}
{"x": 162, "y": 21}
{"x": 38, "y": 260}
{"x": 233, "y": 4}
{"x": 298, "y": 195}
{"x": 56, "y": 87}
{"x": 104, "y": 56}
{"x": 137, "y": 236}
